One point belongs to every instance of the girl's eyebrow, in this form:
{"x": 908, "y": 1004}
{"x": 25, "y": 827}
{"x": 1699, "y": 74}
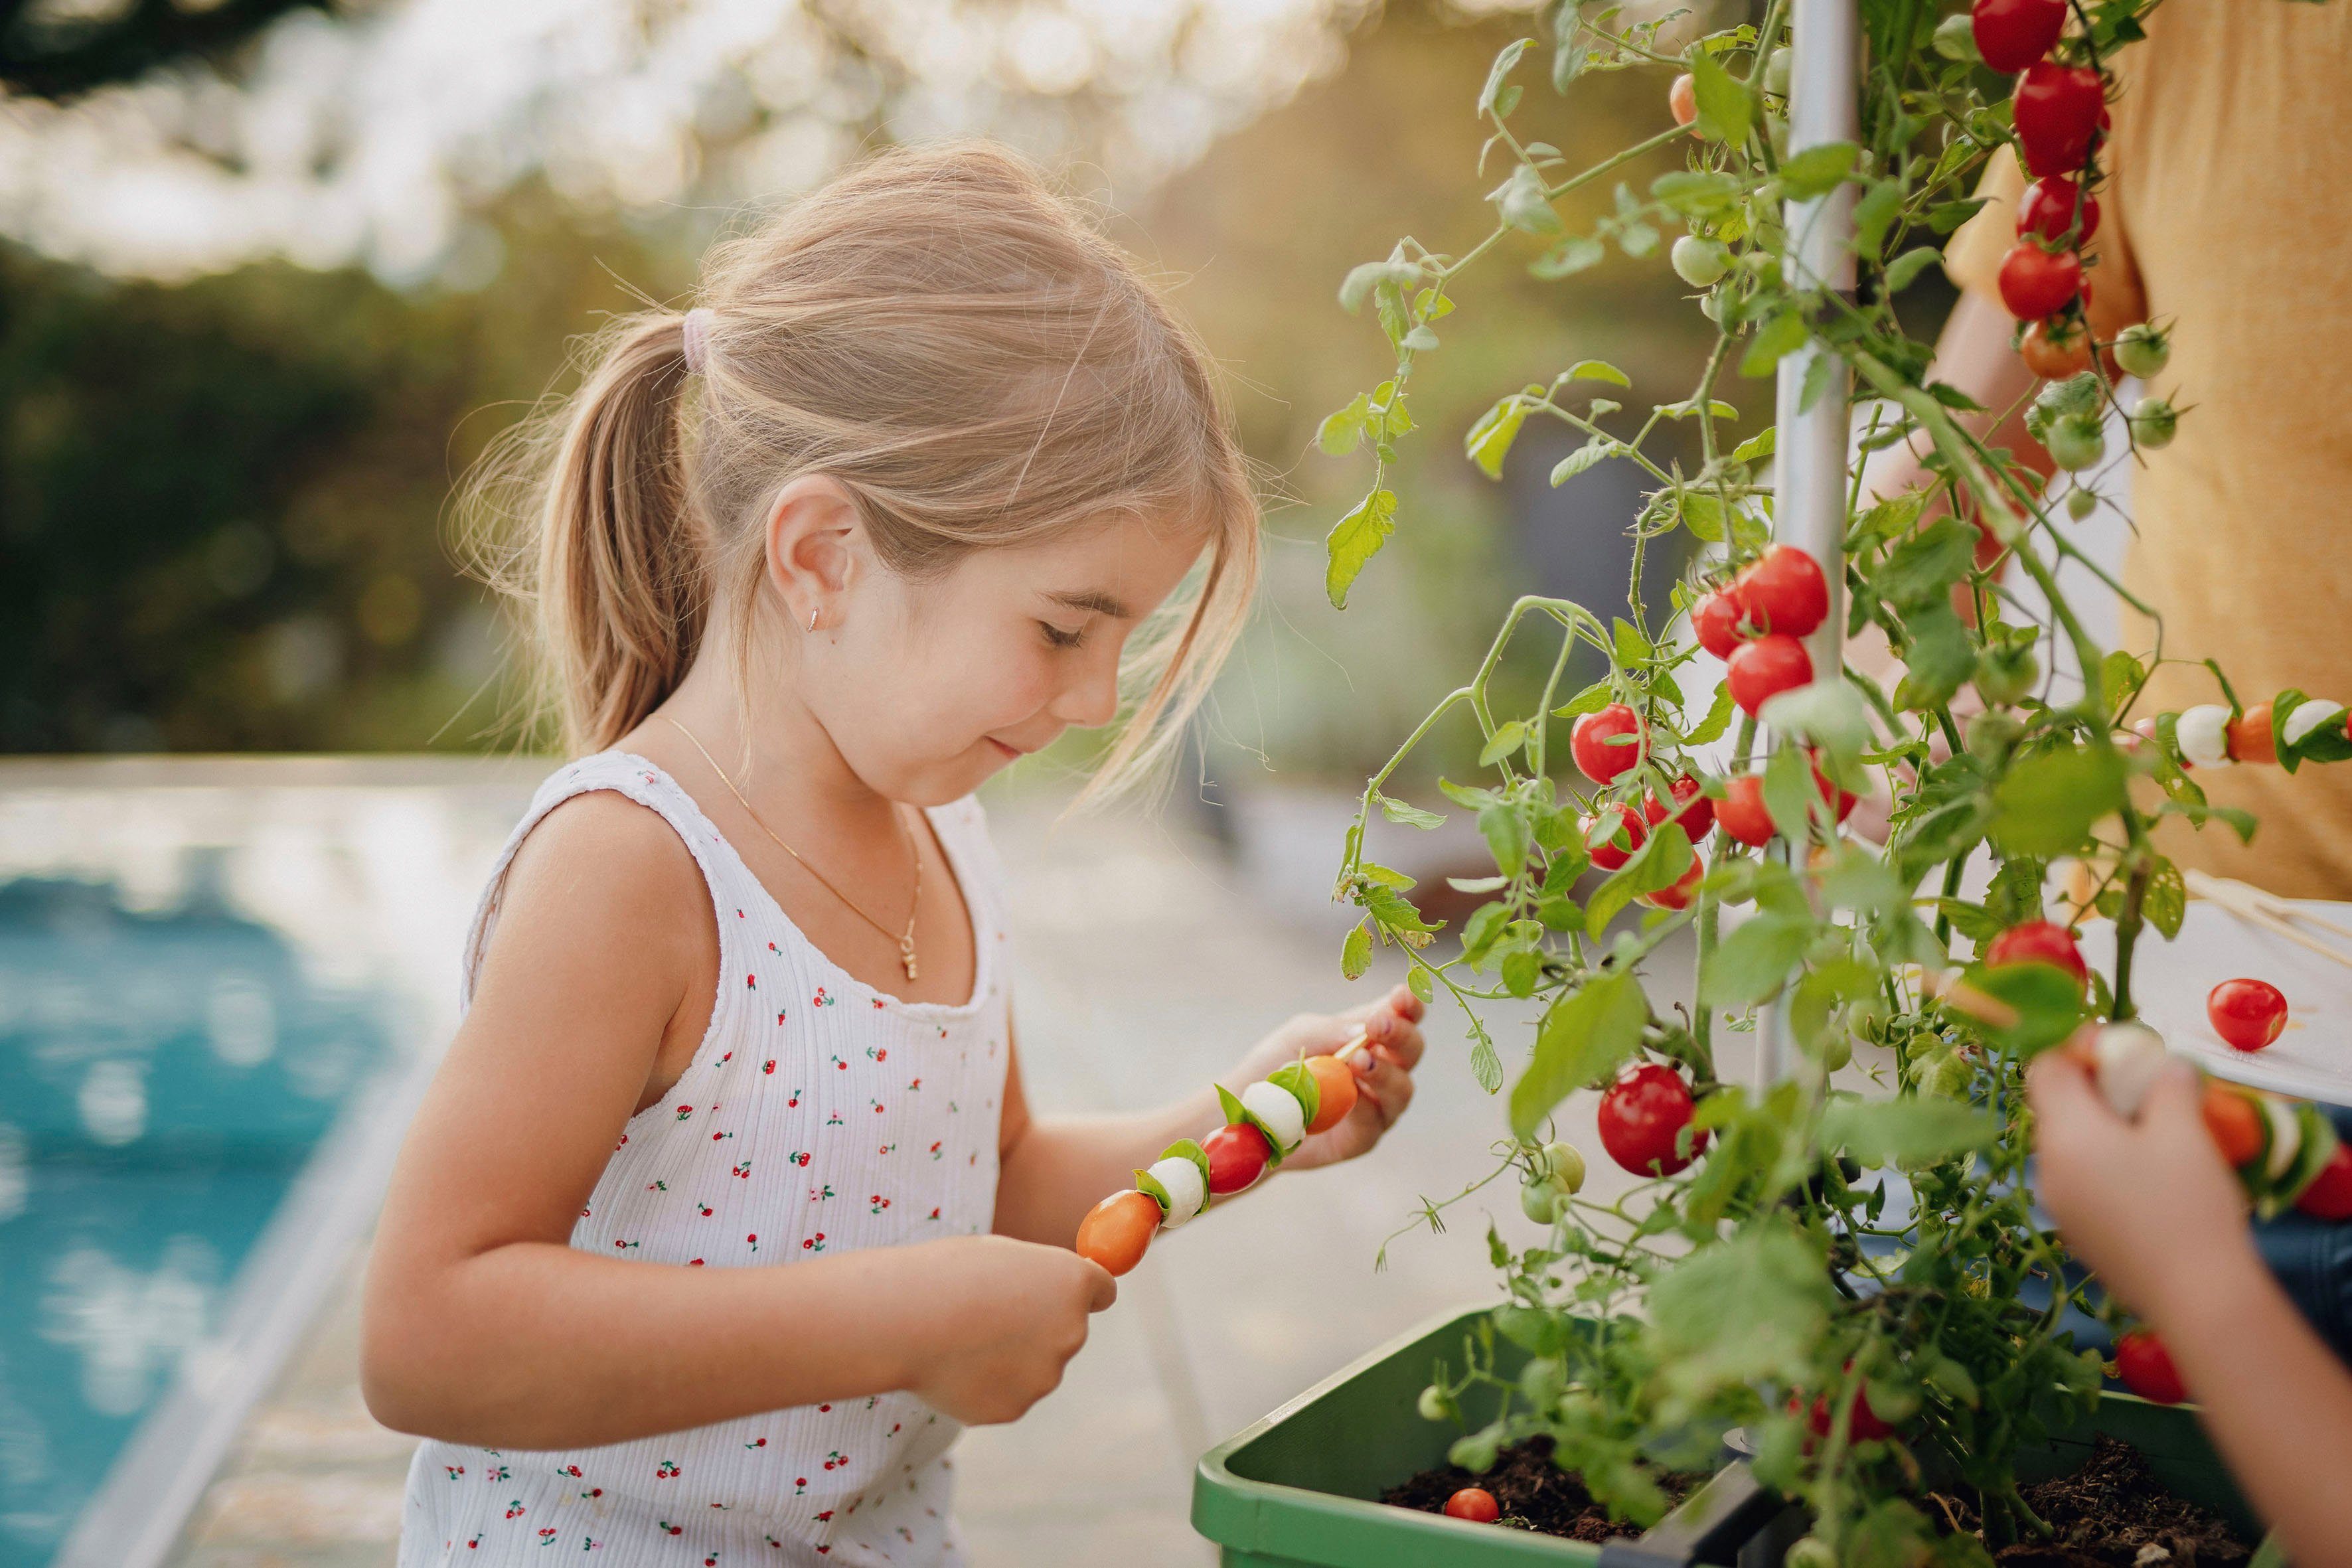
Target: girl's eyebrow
{"x": 1091, "y": 599}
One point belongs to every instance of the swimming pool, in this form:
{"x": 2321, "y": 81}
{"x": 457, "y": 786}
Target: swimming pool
{"x": 215, "y": 1004}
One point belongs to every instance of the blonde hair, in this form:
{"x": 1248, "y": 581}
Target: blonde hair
{"x": 943, "y": 335}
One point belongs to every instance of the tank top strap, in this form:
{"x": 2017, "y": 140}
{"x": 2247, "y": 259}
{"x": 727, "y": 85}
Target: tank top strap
{"x": 649, "y": 786}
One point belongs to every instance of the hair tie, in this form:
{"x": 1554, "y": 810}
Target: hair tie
{"x": 697, "y": 339}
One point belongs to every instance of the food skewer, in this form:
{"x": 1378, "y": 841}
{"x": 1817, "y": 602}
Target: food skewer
{"x": 2252, "y": 905}
{"x": 2206, "y": 885}
{"x": 1264, "y": 1122}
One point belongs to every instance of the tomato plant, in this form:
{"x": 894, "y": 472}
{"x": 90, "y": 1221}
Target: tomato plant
{"x": 1843, "y": 1272}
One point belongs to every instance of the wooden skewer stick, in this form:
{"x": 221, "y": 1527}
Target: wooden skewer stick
{"x": 1362, "y": 1042}
{"x": 2219, "y": 888}
{"x": 2231, "y": 896}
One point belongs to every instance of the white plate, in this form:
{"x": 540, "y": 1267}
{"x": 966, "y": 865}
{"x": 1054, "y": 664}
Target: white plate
{"x": 2312, "y": 1060}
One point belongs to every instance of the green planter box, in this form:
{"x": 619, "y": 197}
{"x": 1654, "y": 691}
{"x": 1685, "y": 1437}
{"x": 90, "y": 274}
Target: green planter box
{"x": 1297, "y": 1489}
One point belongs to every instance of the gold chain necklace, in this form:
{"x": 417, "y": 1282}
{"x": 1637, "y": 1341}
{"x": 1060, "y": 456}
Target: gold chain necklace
{"x": 906, "y": 939}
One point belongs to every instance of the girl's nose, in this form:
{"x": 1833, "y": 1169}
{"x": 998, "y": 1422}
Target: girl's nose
{"x": 1091, "y": 700}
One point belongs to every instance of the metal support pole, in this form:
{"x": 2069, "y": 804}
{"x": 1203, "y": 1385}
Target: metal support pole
{"x": 1809, "y": 466}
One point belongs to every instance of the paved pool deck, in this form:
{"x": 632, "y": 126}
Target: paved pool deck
{"x": 1147, "y": 957}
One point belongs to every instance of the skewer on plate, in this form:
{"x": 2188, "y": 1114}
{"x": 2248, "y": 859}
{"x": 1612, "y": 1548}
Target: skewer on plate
{"x": 2272, "y": 913}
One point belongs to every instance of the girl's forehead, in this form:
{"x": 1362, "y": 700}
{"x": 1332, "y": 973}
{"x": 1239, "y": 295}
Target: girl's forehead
{"x": 1121, "y": 567}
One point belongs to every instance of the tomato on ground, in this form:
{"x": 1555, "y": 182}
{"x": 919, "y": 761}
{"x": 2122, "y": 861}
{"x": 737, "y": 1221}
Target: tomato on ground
{"x": 2247, "y": 1013}
{"x": 1714, "y": 622}
{"x": 2250, "y": 736}
{"x": 2329, "y": 1196}
{"x": 2037, "y": 941}
{"x": 1630, "y": 828}
{"x": 2047, "y": 209}
{"x": 1785, "y": 592}
{"x": 2012, "y": 34}
{"x": 1641, "y": 1117}
{"x": 2057, "y": 110}
{"x": 2036, "y": 283}
{"x": 1335, "y": 1081}
{"x": 1607, "y": 743}
{"x": 1691, "y": 808}
{"x": 1741, "y": 812}
{"x": 2147, "y": 1369}
{"x": 1117, "y": 1230}
{"x": 2236, "y": 1123}
{"x": 1476, "y": 1504}
{"x": 1236, "y": 1155}
{"x": 1766, "y": 667}
{"x": 1677, "y": 894}
{"x": 2055, "y": 348}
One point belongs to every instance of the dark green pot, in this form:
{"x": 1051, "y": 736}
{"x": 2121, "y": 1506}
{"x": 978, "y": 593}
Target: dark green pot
{"x": 1297, "y": 1489}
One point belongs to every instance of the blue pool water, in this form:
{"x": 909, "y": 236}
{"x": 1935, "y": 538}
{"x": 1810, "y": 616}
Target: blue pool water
{"x": 163, "y": 1076}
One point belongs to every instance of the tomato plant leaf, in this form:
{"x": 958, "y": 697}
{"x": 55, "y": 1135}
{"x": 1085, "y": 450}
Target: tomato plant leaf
{"x": 1818, "y": 170}
{"x": 1754, "y": 960}
{"x": 1343, "y": 431}
{"x": 1508, "y": 736}
{"x": 1490, "y": 94}
{"x": 1749, "y": 1308}
{"x": 1583, "y": 1038}
{"x": 1355, "y": 540}
{"x": 1583, "y": 458}
{"x": 1524, "y": 204}
{"x": 1356, "y": 953}
{"x": 1910, "y": 1130}
{"x": 1726, "y": 107}
{"x": 2049, "y": 801}
{"x": 1407, "y": 816}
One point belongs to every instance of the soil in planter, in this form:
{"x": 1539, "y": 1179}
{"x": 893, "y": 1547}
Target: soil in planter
{"x": 1533, "y": 1493}
{"x": 2108, "y": 1514}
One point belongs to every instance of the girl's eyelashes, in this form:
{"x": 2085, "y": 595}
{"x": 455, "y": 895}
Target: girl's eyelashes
{"x": 1058, "y": 637}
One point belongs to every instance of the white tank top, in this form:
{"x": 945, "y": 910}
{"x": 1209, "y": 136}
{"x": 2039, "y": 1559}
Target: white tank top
{"x": 819, "y": 1116}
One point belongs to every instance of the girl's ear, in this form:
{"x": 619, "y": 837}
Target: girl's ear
{"x": 816, "y": 547}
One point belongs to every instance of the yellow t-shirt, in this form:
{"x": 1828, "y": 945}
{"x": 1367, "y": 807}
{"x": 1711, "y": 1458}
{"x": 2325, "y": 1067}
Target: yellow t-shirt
{"x": 2231, "y": 169}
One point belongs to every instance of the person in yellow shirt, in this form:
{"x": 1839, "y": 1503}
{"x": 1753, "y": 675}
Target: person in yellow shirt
{"x": 2230, "y": 167}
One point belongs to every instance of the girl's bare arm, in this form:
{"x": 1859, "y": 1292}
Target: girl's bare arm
{"x": 482, "y": 1325}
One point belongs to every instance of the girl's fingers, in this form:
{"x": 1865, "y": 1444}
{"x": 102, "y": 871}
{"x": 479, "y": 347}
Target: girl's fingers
{"x": 1399, "y": 1035}
{"x": 1384, "y": 1082}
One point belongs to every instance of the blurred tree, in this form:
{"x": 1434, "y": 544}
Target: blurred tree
{"x": 60, "y": 51}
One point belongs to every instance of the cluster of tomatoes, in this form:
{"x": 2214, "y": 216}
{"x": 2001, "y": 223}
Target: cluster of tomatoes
{"x": 2059, "y": 111}
{"x": 1266, "y": 1122}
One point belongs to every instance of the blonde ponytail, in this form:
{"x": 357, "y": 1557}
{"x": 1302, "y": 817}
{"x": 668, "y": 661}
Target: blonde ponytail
{"x": 946, "y": 337}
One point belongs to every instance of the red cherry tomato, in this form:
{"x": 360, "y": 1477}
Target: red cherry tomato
{"x": 1595, "y": 742}
{"x": 2037, "y": 941}
{"x": 2047, "y": 209}
{"x": 1741, "y": 811}
{"x": 2012, "y": 34}
{"x": 1642, "y": 1116}
{"x": 2055, "y": 348}
{"x": 1607, "y": 856}
{"x": 1766, "y": 667}
{"x": 1117, "y": 1230}
{"x": 2036, "y": 282}
{"x": 1335, "y": 1082}
{"x": 1714, "y": 622}
{"x": 1861, "y": 1423}
{"x": 2251, "y": 737}
{"x": 2147, "y": 1369}
{"x": 1236, "y": 1157}
{"x": 2058, "y": 108}
{"x": 2247, "y": 1013}
{"x": 1476, "y": 1504}
{"x": 1785, "y": 592}
{"x": 2329, "y": 1196}
{"x": 1683, "y": 99}
{"x": 1843, "y": 799}
{"x": 1691, "y": 808}
{"x": 1677, "y": 894}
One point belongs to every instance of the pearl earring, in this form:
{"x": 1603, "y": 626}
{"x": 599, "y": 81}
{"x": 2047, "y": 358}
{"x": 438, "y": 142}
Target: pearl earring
{"x": 811, "y": 620}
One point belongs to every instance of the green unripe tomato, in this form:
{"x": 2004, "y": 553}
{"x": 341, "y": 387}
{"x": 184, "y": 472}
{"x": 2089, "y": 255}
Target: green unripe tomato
{"x": 1955, "y": 38}
{"x": 1541, "y": 1381}
{"x": 2081, "y": 503}
{"x": 2077, "y": 442}
{"x": 2143, "y": 349}
{"x": 1701, "y": 263}
{"x": 2154, "y": 423}
{"x": 1837, "y": 1050}
{"x": 1540, "y": 1201}
{"x": 1475, "y": 1453}
{"x": 1991, "y": 735}
{"x": 1812, "y": 1551}
{"x": 1565, "y": 1163}
{"x": 1776, "y": 131}
{"x": 2004, "y": 676}
{"x": 1434, "y": 1405}
{"x": 1709, "y": 309}
{"x": 1776, "y": 72}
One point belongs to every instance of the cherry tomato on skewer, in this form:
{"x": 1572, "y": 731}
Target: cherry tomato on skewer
{"x": 1237, "y": 1155}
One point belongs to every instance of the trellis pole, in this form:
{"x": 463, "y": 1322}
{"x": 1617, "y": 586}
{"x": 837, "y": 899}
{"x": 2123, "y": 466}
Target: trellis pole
{"x": 1809, "y": 466}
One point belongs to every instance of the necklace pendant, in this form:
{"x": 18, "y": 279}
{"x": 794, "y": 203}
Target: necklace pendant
{"x": 907, "y": 957}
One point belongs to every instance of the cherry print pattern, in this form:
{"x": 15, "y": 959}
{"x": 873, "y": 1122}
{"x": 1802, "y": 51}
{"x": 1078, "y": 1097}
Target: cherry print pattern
{"x": 659, "y": 1200}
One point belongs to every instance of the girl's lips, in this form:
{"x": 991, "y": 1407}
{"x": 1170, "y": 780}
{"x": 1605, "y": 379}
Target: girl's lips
{"x": 1011, "y": 752}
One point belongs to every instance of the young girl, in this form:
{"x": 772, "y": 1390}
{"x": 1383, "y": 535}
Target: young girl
{"x": 726, "y": 1210}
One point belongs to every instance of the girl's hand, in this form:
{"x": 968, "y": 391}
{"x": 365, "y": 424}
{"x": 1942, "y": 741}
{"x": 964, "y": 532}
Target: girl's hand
{"x": 2138, "y": 1200}
{"x": 1392, "y": 1027}
{"x": 1006, "y": 1317}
